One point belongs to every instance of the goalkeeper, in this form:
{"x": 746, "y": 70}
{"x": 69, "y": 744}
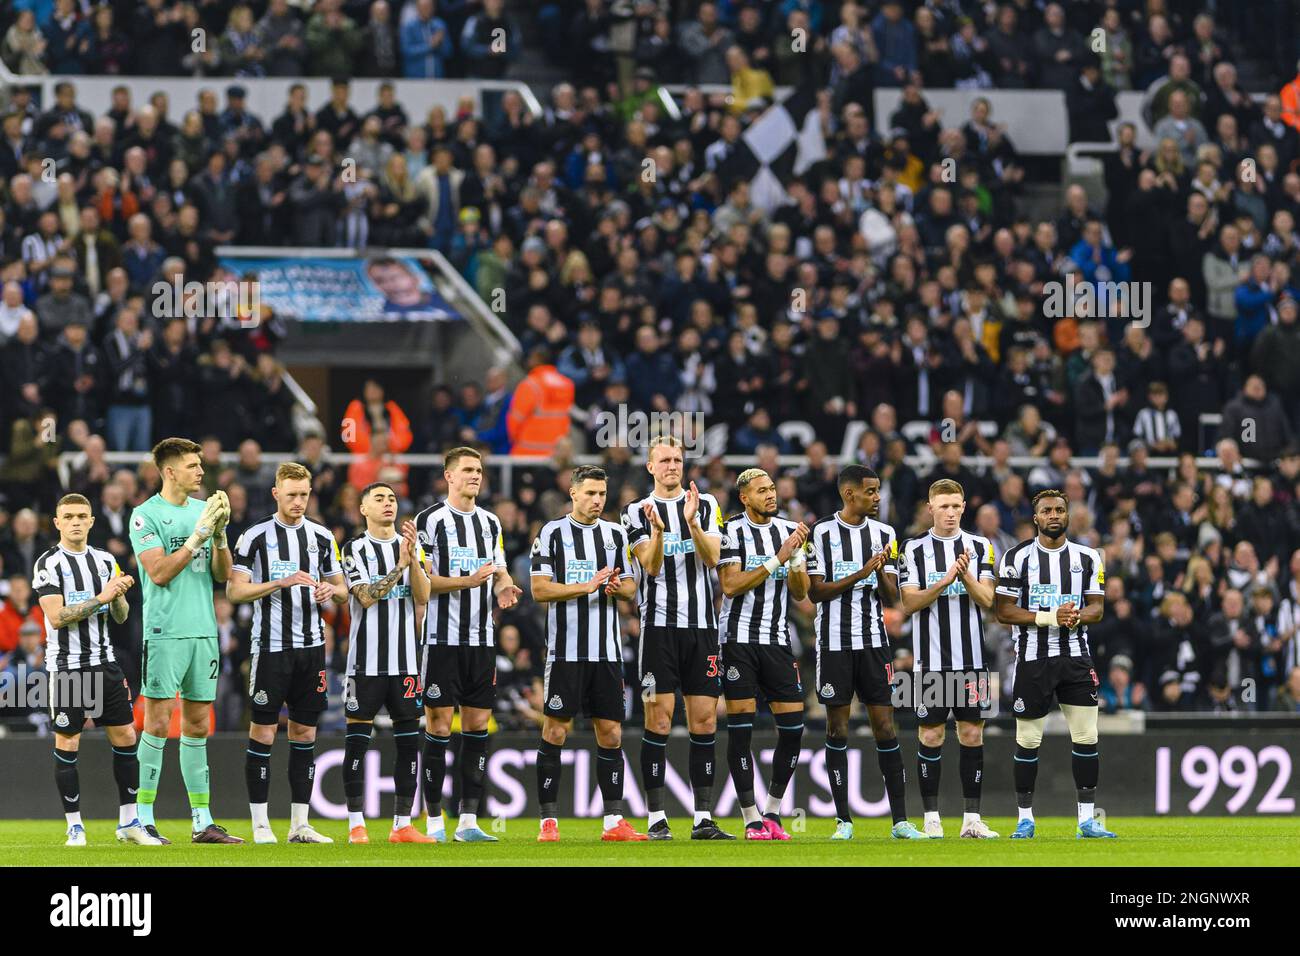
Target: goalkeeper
{"x": 180, "y": 544}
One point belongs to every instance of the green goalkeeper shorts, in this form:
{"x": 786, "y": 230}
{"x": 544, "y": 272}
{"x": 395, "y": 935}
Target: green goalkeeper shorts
{"x": 186, "y": 665}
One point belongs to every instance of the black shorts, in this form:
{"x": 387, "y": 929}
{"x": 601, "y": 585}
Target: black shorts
{"x": 590, "y": 688}
{"x": 936, "y": 694}
{"x": 685, "y": 658}
{"x": 400, "y": 693}
{"x": 770, "y": 668}
{"x": 1072, "y": 679}
{"x": 99, "y": 692}
{"x": 296, "y": 676}
{"x": 460, "y": 676}
{"x": 869, "y": 673}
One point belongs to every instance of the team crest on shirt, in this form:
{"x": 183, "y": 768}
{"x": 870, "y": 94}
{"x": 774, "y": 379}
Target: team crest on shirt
{"x": 1076, "y": 569}
{"x": 733, "y": 674}
{"x": 922, "y": 711}
{"x": 352, "y": 704}
{"x": 1019, "y": 705}
{"x": 61, "y": 720}
{"x": 827, "y": 690}
{"x": 610, "y": 546}
{"x": 260, "y": 698}
{"x": 433, "y": 691}
{"x": 555, "y": 703}
{"x": 312, "y": 548}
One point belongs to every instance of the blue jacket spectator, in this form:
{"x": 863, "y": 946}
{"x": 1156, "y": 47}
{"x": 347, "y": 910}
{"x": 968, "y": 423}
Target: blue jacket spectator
{"x": 426, "y": 44}
{"x": 896, "y": 40}
{"x": 652, "y": 373}
{"x": 1254, "y": 299}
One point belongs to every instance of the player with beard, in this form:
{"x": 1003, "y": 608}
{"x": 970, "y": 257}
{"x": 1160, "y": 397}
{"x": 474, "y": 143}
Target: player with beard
{"x": 762, "y": 566}
{"x": 1042, "y": 587}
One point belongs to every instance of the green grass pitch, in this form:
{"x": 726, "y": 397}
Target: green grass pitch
{"x": 1143, "y": 841}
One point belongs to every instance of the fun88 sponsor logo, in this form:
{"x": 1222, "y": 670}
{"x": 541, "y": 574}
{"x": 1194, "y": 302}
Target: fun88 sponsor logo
{"x": 953, "y": 590}
{"x": 76, "y": 597}
{"x": 466, "y": 561}
{"x": 673, "y": 544}
{"x": 842, "y": 569}
{"x": 753, "y": 561}
{"x": 1049, "y": 596}
{"x": 579, "y": 570}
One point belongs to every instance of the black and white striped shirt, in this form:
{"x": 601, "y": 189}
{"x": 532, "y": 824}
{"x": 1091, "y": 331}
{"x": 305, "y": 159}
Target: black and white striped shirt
{"x": 381, "y": 638}
{"x": 77, "y": 576}
{"x": 458, "y": 543}
{"x": 947, "y": 635}
{"x": 855, "y": 620}
{"x": 1040, "y": 580}
{"x": 584, "y": 628}
{"x": 681, "y": 594}
{"x": 271, "y": 550}
{"x": 1154, "y": 426}
{"x": 758, "y": 616}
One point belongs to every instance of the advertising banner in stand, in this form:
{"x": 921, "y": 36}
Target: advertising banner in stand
{"x": 373, "y": 289}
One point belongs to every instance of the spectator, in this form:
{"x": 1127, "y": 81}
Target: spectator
{"x": 426, "y": 44}
{"x": 490, "y": 41}
{"x": 1057, "y": 49}
{"x": 539, "y": 409}
{"x": 1257, "y": 419}
{"x": 280, "y": 33}
{"x": 373, "y": 411}
{"x": 333, "y": 41}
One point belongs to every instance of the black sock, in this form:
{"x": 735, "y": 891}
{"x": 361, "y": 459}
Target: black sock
{"x": 406, "y": 772}
{"x": 837, "y": 770}
{"x": 548, "y": 778}
{"x": 257, "y": 771}
{"x": 126, "y": 772}
{"x": 302, "y": 770}
{"x": 740, "y": 731}
{"x": 654, "y": 759}
{"x": 65, "y": 775}
{"x": 435, "y": 772}
{"x": 355, "y": 745}
{"x": 1087, "y": 768}
{"x": 1026, "y": 772}
{"x": 789, "y": 734}
{"x": 609, "y": 776}
{"x": 473, "y": 769}
{"x": 972, "y": 776}
{"x": 929, "y": 768}
{"x": 890, "y": 758}
{"x": 701, "y": 770}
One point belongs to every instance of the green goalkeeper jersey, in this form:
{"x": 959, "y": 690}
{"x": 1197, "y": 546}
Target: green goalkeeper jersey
{"x": 183, "y": 607}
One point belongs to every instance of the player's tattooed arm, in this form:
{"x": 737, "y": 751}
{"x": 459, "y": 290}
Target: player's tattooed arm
{"x": 368, "y": 594}
{"x": 73, "y": 613}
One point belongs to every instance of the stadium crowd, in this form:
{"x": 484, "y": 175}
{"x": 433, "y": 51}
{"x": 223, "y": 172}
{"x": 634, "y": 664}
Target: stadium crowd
{"x": 890, "y": 287}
